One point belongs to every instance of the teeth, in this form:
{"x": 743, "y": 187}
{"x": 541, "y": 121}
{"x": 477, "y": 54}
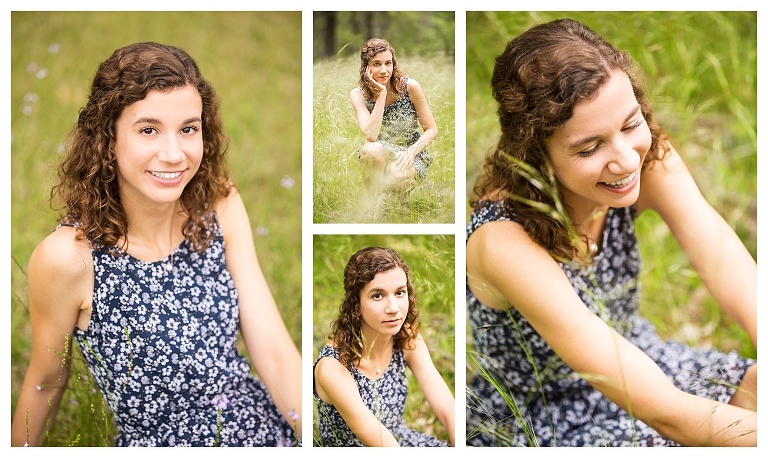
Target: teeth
{"x": 620, "y": 183}
{"x": 166, "y": 175}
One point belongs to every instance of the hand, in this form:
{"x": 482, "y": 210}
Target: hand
{"x": 377, "y": 87}
{"x": 404, "y": 159}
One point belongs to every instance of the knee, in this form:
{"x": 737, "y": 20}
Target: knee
{"x": 373, "y": 152}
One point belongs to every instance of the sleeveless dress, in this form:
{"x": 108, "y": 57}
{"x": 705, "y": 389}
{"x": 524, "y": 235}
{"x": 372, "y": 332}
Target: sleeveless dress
{"x": 553, "y": 402}
{"x": 384, "y": 396}
{"x": 162, "y": 347}
{"x": 400, "y": 129}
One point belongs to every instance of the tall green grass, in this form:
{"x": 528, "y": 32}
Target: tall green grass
{"x": 255, "y": 68}
{"x": 700, "y": 73}
{"x": 338, "y": 192}
{"x": 432, "y": 263}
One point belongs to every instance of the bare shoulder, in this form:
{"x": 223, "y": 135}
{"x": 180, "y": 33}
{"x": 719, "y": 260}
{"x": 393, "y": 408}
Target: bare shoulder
{"x": 484, "y": 242}
{"x": 491, "y": 270}
{"x": 417, "y": 345}
{"x": 330, "y": 375}
{"x": 230, "y": 210}
{"x": 412, "y": 83}
{"x": 356, "y": 94}
{"x": 328, "y": 365}
{"x": 60, "y": 275}
{"x": 62, "y": 255}
{"x": 414, "y": 87}
{"x": 664, "y": 180}
{"x": 228, "y": 202}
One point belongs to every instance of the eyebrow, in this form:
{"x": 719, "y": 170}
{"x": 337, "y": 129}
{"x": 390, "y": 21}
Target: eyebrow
{"x": 381, "y": 290}
{"x": 148, "y": 120}
{"x": 579, "y": 143}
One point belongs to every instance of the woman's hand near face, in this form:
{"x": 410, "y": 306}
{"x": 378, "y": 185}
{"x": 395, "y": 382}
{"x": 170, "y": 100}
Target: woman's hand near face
{"x": 377, "y": 87}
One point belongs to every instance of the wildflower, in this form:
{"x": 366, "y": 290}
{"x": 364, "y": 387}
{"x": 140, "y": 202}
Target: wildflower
{"x": 220, "y": 401}
{"x": 287, "y": 182}
{"x": 261, "y": 230}
{"x": 54, "y": 48}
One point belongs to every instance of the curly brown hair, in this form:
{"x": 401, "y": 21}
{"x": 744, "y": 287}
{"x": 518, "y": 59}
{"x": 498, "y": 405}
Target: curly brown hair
{"x": 537, "y": 81}
{"x": 88, "y": 184}
{"x": 367, "y": 52}
{"x": 346, "y": 329}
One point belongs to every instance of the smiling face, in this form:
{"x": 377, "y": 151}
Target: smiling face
{"x": 598, "y": 153}
{"x": 159, "y": 146}
{"x": 384, "y": 304}
{"x": 381, "y": 66}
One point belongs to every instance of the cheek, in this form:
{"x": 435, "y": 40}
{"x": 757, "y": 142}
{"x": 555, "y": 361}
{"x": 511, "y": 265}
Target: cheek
{"x": 645, "y": 140}
{"x": 195, "y": 151}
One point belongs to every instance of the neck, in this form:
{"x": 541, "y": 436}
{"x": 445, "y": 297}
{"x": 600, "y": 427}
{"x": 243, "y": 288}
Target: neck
{"x": 375, "y": 344}
{"x": 589, "y": 228}
{"x": 155, "y": 228}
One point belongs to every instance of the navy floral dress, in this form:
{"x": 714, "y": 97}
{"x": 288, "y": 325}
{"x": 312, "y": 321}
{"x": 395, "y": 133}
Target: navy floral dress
{"x": 384, "y": 396}
{"x": 400, "y": 129}
{"x": 553, "y": 402}
{"x": 162, "y": 347}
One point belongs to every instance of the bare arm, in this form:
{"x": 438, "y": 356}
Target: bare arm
{"x": 715, "y": 251}
{"x": 532, "y": 282}
{"x": 60, "y": 278}
{"x": 274, "y": 355}
{"x": 427, "y": 121}
{"x": 336, "y": 386}
{"x": 369, "y": 122}
{"x": 433, "y": 386}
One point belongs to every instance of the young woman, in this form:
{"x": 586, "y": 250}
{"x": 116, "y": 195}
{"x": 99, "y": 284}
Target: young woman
{"x": 390, "y": 108}
{"x": 553, "y": 264}
{"x": 153, "y": 271}
{"x": 360, "y": 384}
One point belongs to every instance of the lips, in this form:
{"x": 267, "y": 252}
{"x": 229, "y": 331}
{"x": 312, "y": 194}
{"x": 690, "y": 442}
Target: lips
{"x": 621, "y": 183}
{"x": 167, "y": 179}
{"x": 165, "y": 175}
{"x": 622, "y": 186}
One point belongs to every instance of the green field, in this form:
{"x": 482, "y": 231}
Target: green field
{"x": 432, "y": 263}
{"x": 252, "y": 59}
{"x": 700, "y": 73}
{"x": 338, "y": 192}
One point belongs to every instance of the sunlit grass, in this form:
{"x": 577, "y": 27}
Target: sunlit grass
{"x": 53, "y": 58}
{"x": 338, "y": 194}
{"x": 431, "y": 260}
{"x": 700, "y": 73}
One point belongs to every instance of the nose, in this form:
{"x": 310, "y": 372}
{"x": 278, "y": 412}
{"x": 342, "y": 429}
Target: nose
{"x": 392, "y": 307}
{"x": 172, "y": 152}
{"x": 624, "y": 159}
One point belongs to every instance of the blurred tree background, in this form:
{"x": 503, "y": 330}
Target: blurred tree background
{"x": 341, "y": 33}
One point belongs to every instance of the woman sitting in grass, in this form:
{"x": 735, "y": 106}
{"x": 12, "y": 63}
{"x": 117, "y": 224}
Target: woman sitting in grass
{"x": 390, "y": 107}
{"x": 553, "y": 265}
{"x": 360, "y": 384}
{"x": 153, "y": 271}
